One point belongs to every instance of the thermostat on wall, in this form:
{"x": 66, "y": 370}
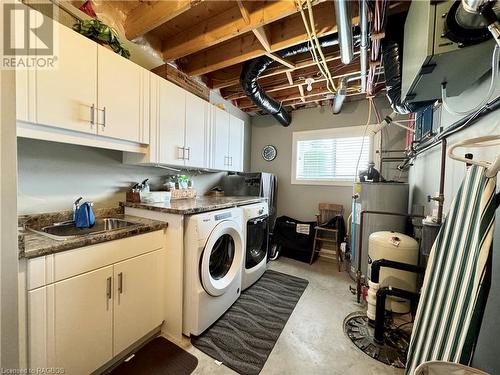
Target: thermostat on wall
{"x": 269, "y": 153}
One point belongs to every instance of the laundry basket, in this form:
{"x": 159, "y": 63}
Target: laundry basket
{"x": 294, "y": 237}
{"x": 446, "y": 368}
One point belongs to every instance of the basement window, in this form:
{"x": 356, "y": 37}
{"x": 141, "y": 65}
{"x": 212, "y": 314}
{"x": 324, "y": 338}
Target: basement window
{"x": 330, "y": 156}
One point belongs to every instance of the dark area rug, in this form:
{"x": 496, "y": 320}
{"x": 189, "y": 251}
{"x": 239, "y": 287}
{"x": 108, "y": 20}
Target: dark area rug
{"x": 244, "y": 336}
{"x": 159, "y": 357}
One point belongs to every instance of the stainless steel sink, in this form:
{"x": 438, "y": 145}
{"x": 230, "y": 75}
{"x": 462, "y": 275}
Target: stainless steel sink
{"x": 67, "y": 230}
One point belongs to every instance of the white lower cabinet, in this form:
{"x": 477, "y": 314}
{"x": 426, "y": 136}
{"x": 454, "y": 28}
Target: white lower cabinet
{"x": 82, "y": 322}
{"x": 137, "y": 302}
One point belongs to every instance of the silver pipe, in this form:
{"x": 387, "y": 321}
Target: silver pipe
{"x": 343, "y": 15}
{"x": 363, "y": 48}
{"x": 342, "y": 91}
{"x": 340, "y": 96}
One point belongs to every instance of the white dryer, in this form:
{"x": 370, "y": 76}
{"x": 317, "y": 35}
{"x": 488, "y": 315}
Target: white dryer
{"x": 213, "y": 255}
{"x": 256, "y": 239}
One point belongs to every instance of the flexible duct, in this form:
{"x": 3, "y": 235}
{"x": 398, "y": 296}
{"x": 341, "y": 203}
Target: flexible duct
{"x": 343, "y": 15}
{"x": 254, "y": 68}
{"x": 391, "y": 57}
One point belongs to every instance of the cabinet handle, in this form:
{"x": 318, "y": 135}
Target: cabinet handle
{"x": 92, "y": 116}
{"x": 230, "y": 160}
{"x": 120, "y": 282}
{"x": 108, "y": 287}
{"x": 103, "y": 123}
{"x": 188, "y": 149}
{"x": 180, "y": 153}
{"x": 226, "y": 160}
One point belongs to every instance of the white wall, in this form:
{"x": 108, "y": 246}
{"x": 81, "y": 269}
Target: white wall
{"x": 52, "y": 175}
{"x": 301, "y": 201}
{"x": 9, "y": 337}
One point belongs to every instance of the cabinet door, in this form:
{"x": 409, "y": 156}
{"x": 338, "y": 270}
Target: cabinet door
{"x": 236, "y": 136}
{"x": 220, "y": 137}
{"x": 139, "y": 295}
{"x": 65, "y": 95}
{"x": 171, "y": 129}
{"x": 120, "y": 92}
{"x": 83, "y": 321}
{"x": 196, "y": 131}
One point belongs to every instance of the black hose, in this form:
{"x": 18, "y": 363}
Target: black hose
{"x": 254, "y": 68}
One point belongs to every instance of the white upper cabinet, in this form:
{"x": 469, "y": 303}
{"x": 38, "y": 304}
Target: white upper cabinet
{"x": 92, "y": 90}
{"x": 220, "y": 137}
{"x": 196, "y": 138}
{"x": 227, "y": 141}
{"x": 122, "y": 87}
{"x": 66, "y": 96}
{"x": 236, "y": 138}
{"x": 171, "y": 123}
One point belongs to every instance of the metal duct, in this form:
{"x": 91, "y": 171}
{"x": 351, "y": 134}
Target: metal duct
{"x": 340, "y": 96}
{"x": 391, "y": 57}
{"x": 254, "y": 68}
{"x": 343, "y": 14}
{"x": 363, "y": 47}
{"x": 342, "y": 91}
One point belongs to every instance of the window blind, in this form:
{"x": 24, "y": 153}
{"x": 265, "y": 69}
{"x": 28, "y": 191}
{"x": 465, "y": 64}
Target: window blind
{"x": 331, "y": 159}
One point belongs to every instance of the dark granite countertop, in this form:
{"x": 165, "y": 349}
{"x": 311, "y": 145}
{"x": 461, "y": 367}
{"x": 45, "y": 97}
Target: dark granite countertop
{"x": 32, "y": 244}
{"x": 196, "y": 205}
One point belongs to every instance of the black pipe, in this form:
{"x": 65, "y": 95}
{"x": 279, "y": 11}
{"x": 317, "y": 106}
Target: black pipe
{"x": 254, "y": 68}
{"x": 382, "y": 294}
{"x": 360, "y": 250}
{"x": 379, "y": 263}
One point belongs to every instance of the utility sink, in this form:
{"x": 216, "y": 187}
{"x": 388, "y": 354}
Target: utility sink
{"x": 67, "y": 229}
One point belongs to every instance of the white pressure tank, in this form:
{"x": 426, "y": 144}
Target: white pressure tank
{"x": 396, "y": 247}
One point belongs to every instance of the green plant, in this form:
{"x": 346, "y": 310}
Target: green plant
{"x": 182, "y": 178}
{"x": 101, "y": 33}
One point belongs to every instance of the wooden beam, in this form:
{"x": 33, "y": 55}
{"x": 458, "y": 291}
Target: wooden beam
{"x": 263, "y": 36}
{"x": 151, "y": 14}
{"x": 282, "y": 61}
{"x": 244, "y": 11}
{"x": 289, "y": 77}
{"x": 290, "y": 32}
{"x": 301, "y": 92}
{"x": 222, "y": 27}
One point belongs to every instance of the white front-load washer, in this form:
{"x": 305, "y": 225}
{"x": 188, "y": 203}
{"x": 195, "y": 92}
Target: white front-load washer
{"x": 256, "y": 240}
{"x": 213, "y": 255}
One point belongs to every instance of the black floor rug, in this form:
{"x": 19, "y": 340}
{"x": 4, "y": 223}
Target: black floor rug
{"x": 158, "y": 357}
{"x": 244, "y": 336}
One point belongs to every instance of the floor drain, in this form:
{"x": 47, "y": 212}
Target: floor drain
{"x": 392, "y": 352}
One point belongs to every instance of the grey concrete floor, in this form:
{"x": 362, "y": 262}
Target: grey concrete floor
{"x": 313, "y": 341}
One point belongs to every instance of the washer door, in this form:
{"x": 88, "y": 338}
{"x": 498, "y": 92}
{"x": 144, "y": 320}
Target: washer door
{"x": 221, "y": 258}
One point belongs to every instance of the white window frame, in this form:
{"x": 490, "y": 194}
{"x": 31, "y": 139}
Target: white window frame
{"x": 350, "y": 131}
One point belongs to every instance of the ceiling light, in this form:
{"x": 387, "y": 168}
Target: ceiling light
{"x": 309, "y": 82}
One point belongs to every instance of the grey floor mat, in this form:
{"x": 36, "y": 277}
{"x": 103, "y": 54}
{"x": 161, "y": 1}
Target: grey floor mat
{"x": 244, "y": 336}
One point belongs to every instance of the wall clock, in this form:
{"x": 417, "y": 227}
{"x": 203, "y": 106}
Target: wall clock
{"x": 269, "y": 153}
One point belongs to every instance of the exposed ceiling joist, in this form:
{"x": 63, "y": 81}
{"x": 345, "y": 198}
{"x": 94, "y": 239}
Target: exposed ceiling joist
{"x": 227, "y": 25}
{"x": 284, "y": 33}
{"x": 151, "y": 14}
{"x": 289, "y": 77}
{"x": 344, "y": 70}
{"x": 282, "y": 61}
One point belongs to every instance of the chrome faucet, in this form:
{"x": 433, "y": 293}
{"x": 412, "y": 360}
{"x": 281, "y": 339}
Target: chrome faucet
{"x": 76, "y": 205}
